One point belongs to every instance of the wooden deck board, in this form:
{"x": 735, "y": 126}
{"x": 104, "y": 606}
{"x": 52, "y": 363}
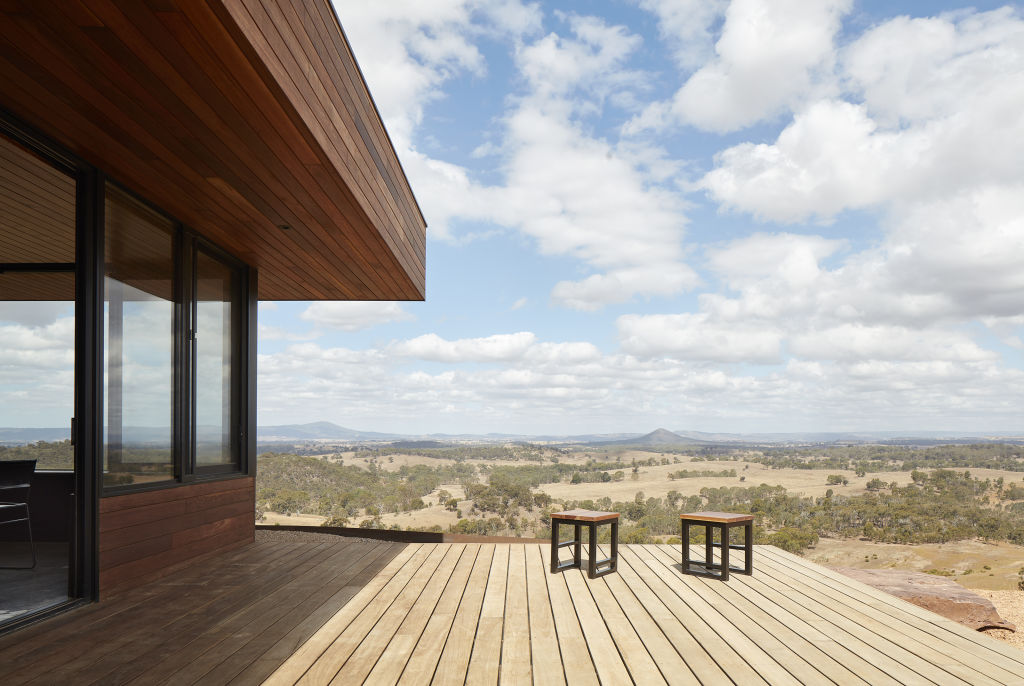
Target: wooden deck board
{"x": 485, "y": 660}
{"x": 454, "y": 659}
{"x": 576, "y": 660}
{"x": 422, "y": 661}
{"x": 35, "y": 645}
{"x": 963, "y": 641}
{"x": 547, "y": 658}
{"x": 395, "y": 634}
{"x": 603, "y": 651}
{"x": 516, "y": 666}
{"x": 802, "y": 658}
{"x": 930, "y": 662}
{"x": 380, "y": 613}
{"x": 215, "y": 603}
{"x": 789, "y": 623}
{"x": 400, "y": 593}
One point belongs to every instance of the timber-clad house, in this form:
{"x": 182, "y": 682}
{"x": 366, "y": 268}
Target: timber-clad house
{"x": 164, "y": 165}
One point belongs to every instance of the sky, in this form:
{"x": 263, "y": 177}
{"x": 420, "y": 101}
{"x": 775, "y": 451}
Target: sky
{"x": 711, "y": 215}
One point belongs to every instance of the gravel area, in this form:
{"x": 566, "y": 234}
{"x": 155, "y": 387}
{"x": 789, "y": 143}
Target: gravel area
{"x": 1010, "y": 606}
{"x": 305, "y": 537}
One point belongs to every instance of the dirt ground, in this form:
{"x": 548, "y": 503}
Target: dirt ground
{"x": 654, "y": 481}
{"x": 292, "y": 520}
{"x": 1010, "y": 606}
{"x": 967, "y": 560}
{"x": 998, "y": 583}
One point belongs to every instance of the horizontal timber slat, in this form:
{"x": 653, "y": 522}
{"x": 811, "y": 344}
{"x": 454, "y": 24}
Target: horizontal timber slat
{"x": 141, "y": 534}
{"x": 236, "y": 117}
{"x": 120, "y": 502}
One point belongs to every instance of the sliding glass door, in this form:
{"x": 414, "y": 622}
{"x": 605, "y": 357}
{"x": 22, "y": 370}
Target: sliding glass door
{"x": 37, "y": 382}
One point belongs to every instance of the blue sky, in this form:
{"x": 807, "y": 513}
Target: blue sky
{"x": 745, "y": 215}
{"x": 754, "y": 215}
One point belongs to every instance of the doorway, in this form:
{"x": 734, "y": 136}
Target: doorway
{"x": 37, "y": 382}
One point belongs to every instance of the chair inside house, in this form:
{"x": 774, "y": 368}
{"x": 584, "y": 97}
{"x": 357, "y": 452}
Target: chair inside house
{"x": 15, "y": 486}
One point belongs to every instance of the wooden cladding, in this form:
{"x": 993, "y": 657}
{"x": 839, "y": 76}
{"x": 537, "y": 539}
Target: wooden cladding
{"x": 236, "y": 117}
{"x": 142, "y": 534}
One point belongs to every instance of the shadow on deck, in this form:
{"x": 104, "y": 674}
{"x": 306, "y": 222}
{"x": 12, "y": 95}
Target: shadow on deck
{"x": 230, "y": 617}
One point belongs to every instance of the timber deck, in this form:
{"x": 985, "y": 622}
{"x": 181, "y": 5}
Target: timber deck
{"x": 233, "y": 617}
{"x": 352, "y": 612}
{"x": 488, "y": 614}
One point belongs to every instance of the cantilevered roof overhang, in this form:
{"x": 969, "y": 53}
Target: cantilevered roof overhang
{"x": 237, "y": 117}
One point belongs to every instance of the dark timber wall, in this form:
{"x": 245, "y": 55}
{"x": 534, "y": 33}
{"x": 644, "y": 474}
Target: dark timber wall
{"x": 142, "y": 534}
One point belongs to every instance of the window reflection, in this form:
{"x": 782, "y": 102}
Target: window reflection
{"x": 139, "y": 343}
{"x": 215, "y": 361}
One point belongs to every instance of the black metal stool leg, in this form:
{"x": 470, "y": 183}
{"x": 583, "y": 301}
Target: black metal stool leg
{"x": 725, "y": 552}
{"x": 592, "y": 560}
{"x": 748, "y": 548}
{"x": 686, "y": 545}
{"x": 615, "y": 544}
{"x": 554, "y": 545}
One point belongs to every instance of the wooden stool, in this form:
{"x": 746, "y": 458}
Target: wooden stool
{"x": 723, "y": 521}
{"x": 590, "y": 519}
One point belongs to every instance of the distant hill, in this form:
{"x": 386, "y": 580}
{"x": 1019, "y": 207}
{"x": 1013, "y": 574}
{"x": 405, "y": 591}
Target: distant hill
{"x": 656, "y": 437}
{"x": 16, "y": 436}
{"x": 880, "y": 437}
{"x": 318, "y": 431}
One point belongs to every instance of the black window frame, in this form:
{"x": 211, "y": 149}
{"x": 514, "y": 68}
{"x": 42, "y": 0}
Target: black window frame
{"x": 187, "y": 244}
{"x": 194, "y": 245}
{"x": 87, "y": 423}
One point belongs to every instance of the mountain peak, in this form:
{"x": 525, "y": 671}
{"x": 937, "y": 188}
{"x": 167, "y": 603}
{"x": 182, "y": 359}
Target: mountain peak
{"x": 660, "y": 437}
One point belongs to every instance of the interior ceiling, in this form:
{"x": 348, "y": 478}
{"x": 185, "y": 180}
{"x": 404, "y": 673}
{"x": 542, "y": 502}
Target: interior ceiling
{"x": 237, "y": 117}
{"x": 37, "y": 225}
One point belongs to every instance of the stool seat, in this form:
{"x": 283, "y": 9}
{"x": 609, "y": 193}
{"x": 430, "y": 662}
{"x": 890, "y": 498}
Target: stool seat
{"x": 723, "y": 521}
{"x": 590, "y": 519}
{"x": 719, "y": 517}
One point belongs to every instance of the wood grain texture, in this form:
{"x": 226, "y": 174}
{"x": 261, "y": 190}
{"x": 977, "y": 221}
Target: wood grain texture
{"x": 233, "y": 618}
{"x": 142, "y": 534}
{"x": 235, "y": 117}
{"x": 379, "y": 613}
{"x": 791, "y": 622}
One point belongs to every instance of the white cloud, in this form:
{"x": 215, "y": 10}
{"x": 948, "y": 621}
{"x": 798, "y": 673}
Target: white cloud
{"x": 578, "y": 195}
{"x": 547, "y": 387}
{"x": 267, "y": 332}
{"x": 519, "y": 304}
{"x": 790, "y": 257}
{"x": 555, "y": 65}
{"x": 772, "y": 55}
{"x": 37, "y": 370}
{"x": 913, "y": 126}
{"x": 695, "y": 337}
{"x": 34, "y": 313}
{"x": 500, "y": 347}
{"x": 687, "y": 26}
{"x": 408, "y": 50}
{"x": 890, "y": 343}
{"x": 828, "y": 159}
{"x": 353, "y": 315}
{"x": 939, "y": 116}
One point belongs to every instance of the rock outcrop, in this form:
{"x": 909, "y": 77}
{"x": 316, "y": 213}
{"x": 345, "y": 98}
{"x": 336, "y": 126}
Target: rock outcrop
{"x": 940, "y": 595}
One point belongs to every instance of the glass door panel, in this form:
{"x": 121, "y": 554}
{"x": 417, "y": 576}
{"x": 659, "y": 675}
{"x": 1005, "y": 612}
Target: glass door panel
{"x": 216, "y": 290}
{"x": 37, "y": 381}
